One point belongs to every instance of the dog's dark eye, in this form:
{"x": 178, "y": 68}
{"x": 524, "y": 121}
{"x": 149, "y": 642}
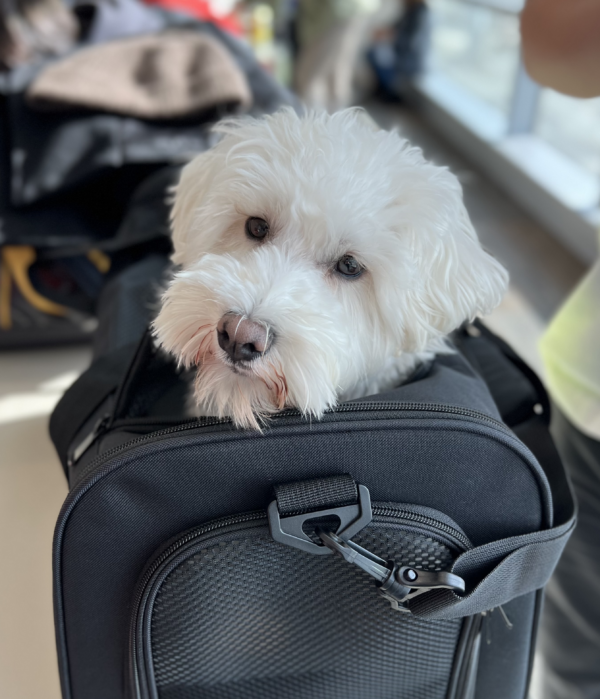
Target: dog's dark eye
{"x": 349, "y": 267}
{"x": 256, "y": 228}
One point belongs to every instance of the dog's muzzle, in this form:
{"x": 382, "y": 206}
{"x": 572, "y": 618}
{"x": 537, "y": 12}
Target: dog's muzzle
{"x": 243, "y": 339}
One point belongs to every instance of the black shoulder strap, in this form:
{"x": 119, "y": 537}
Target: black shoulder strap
{"x": 494, "y": 573}
{"x": 498, "y": 572}
{"x": 515, "y": 387}
{"x": 522, "y": 401}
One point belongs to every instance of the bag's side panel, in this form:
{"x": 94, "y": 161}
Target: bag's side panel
{"x": 507, "y": 646}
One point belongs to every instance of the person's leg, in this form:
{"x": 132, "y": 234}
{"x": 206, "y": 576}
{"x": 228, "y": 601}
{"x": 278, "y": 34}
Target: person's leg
{"x": 569, "y": 637}
{"x": 311, "y": 75}
{"x": 325, "y": 67}
{"x": 350, "y": 41}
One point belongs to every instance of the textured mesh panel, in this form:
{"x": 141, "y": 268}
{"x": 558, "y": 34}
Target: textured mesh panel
{"x": 251, "y": 619}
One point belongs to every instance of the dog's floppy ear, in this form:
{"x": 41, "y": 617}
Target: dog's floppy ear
{"x": 458, "y": 281}
{"x": 189, "y": 194}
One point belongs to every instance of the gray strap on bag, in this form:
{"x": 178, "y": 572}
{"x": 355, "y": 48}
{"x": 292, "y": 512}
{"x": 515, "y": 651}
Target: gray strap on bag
{"x": 316, "y": 494}
{"x": 515, "y": 566}
{"x": 494, "y": 573}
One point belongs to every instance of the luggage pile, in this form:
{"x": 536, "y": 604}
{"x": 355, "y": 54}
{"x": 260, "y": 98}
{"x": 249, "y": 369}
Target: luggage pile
{"x": 90, "y": 143}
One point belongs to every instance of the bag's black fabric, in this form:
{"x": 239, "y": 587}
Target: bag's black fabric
{"x": 145, "y": 598}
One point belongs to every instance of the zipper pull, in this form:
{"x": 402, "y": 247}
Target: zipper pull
{"x": 397, "y": 584}
{"x": 77, "y": 452}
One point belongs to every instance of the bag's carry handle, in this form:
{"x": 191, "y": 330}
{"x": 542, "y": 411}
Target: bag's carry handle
{"x": 486, "y": 352}
{"x": 522, "y": 366}
{"x": 480, "y": 579}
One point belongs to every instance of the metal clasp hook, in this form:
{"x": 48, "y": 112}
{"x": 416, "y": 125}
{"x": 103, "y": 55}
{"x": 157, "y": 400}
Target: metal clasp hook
{"x": 396, "y": 584}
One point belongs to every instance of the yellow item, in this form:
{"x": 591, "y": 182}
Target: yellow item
{"x": 16, "y": 261}
{"x": 571, "y": 353}
{"x": 5, "y": 296}
{"x": 100, "y": 260}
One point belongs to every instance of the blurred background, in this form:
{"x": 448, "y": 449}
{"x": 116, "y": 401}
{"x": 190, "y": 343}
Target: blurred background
{"x": 100, "y": 104}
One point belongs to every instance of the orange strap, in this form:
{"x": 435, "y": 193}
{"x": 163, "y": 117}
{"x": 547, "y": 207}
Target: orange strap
{"x": 5, "y": 297}
{"x": 16, "y": 261}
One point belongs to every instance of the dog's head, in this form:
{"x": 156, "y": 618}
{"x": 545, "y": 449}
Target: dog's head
{"x": 313, "y": 249}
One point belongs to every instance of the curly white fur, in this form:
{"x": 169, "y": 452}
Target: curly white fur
{"x": 328, "y": 186}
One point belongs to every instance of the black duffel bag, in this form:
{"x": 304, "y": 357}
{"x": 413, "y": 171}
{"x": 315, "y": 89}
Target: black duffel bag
{"x": 396, "y": 548}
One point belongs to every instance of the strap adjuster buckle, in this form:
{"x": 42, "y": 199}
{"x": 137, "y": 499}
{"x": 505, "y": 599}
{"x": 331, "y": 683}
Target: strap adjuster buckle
{"x": 289, "y": 530}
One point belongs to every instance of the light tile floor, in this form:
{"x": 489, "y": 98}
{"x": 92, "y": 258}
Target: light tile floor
{"x": 32, "y": 484}
{"x": 32, "y": 490}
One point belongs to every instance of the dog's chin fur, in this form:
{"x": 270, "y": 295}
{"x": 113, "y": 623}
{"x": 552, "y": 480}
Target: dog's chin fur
{"x": 328, "y": 186}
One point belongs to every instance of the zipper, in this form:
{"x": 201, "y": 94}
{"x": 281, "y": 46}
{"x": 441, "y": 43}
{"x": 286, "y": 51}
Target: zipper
{"x": 462, "y": 684}
{"x": 472, "y": 658}
{"x": 383, "y": 513}
{"x": 196, "y": 423}
{"x": 430, "y": 522}
{"x": 79, "y": 450}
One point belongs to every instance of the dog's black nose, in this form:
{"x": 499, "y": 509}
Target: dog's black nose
{"x": 242, "y": 339}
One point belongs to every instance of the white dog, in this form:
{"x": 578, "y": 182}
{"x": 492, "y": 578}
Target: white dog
{"x": 320, "y": 260}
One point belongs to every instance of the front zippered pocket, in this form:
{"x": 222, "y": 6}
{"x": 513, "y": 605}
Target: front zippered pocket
{"x": 224, "y": 611}
{"x": 146, "y": 490}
